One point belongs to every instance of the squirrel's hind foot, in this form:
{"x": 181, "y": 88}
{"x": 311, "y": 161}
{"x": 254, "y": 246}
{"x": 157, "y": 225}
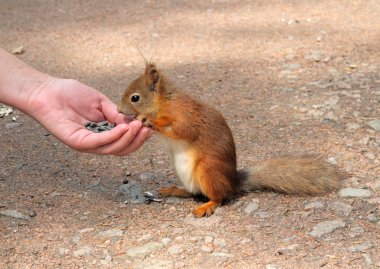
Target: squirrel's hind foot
{"x": 207, "y": 209}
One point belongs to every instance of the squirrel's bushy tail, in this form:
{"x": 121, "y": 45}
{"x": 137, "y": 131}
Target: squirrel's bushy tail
{"x": 299, "y": 175}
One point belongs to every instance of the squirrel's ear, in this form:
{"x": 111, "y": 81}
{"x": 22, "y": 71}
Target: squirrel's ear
{"x": 152, "y": 75}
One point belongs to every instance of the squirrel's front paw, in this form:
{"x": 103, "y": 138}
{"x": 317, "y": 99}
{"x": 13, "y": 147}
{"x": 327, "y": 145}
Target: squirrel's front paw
{"x": 145, "y": 121}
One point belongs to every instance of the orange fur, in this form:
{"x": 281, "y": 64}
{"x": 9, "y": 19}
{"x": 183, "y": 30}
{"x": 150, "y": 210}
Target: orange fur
{"x": 174, "y": 191}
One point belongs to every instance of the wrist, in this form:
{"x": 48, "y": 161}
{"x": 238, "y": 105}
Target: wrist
{"x": 20, "y": 84}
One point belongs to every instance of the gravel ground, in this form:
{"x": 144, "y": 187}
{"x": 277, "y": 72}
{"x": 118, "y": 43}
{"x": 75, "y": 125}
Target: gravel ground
{"x": 290, "y": 77}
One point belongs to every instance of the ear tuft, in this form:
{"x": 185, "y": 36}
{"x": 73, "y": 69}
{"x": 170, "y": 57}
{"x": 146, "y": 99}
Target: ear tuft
{"x": 153, "y": 76}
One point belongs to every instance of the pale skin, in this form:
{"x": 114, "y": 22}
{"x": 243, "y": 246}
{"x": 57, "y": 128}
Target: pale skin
{"x": 63, "y": 106}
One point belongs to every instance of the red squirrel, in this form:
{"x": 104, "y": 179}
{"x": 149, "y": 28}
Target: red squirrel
{"x": 202, "y": 148}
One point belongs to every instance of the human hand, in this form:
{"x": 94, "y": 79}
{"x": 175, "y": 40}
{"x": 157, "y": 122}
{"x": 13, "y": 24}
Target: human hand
{"x": 63, "y": 106}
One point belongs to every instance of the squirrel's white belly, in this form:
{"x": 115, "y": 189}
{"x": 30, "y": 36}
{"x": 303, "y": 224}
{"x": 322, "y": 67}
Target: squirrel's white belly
{"x": 183, "y": 159}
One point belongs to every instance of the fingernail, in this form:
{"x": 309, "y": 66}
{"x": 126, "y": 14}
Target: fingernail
{"x": 124, "y": 126}
{"x": 150, "y": 132}
{"x": 135, "y": 128}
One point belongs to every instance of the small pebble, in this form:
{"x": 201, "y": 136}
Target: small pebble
{"x": 373, "y": 217}
{"x": 326, "y": 227}
{"x": 251, "y": 207}
{"x": 175, "y": 250}
{"x": 271, "y": 266}
{"x": 142, "y": 251}
{"x": 147, "y": 176}
{"x": 145, "y": 237}
{"x": 86, "y": 230}
{"x": 361, "y": 247}
{"x": 367, "y": 259}
{"x": 355, "y": 193}
{"x": 63, "y": 251}
{"x": 314, "y": 204}
{"x": 341, "y": 208}
{"x": 14, "y": 214}
{"x": 374, "y": 124}
{"x": 111, "y": 233}
{"x": 356, "y": 231}
{"x": 166, "y": 240}
{"x": 353, "y": 126}
{"x": 83, "y": 251}
{"x": 75, "y": 240}
{"x": 220, "y": 242}
{"x": 263, "y": 214}
{"x": 206, "y": 248}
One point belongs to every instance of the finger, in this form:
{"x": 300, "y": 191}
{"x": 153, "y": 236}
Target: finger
{"x": 139, "y": 140}
{"x": 93, "y": 141}
{"x": 110, "y": 112}
{"x": 123, "y": 141}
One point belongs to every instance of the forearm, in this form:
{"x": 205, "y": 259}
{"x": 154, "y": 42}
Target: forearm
{"x": 19, "y": 82}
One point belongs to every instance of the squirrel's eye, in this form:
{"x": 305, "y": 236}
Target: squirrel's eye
{"x": 135, "y": 98}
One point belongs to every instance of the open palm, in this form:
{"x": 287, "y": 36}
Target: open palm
{"x": 63, "y": 106}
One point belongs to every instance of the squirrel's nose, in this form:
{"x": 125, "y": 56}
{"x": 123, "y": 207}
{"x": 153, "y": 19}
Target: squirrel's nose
{"x": 120, "y": 109}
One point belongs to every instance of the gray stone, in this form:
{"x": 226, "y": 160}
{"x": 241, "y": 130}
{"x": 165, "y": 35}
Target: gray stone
{"x": 365, "y": 140}
{"x": 14, "y": 214}
{"x": 106, "y": 260}
{"x": 86, "y": 230}
{"x": 361, "y": 247}
{"x": 111, "y": 233}
{"x": 356, "y": 231}
{"x": 332, "y": 160}
{"x": 315, "y": 55}
{"x": 63, "y": 251}
{"x": 353, "y": 126}
{"x": 208, "y": 239}
{"x": 11, "y": 125}
{"x": 220, "y": 242}
{"x": 166, "y": 241}
{"x": 145, "y": 237}
{"x": 324, "y": 85}
{"x": 315, "y": 113}
{"x": 354, "y": 193}
{"x": 222, "y": 254}
{"x": 75, "y": 240}
{"x": 374, "y": 124}
{"x": 332, "y": 101}
{"x": 290, "y": 66}
{"x": 83, "y": 251}
{"x": 206, "y": 248}
{"x": 326, "y": 227}
{"x": 245, "y": 240}
{"x": 142, "y": 251}
{"x": 251, "y": 207}
{"x": 341, "y": 208}
{"x": 373, "y": 217}
{"x": 314, "y": 204}
{"x": 133, "y": 192}
{"x": 367, "y": 259}
{"x": 272, "y": 266}
{"x": 175, "y": 250}
{"x": 331, "y": 116}
{"x": 343, "y": 85}
{"x": 147, "y": 176}
{"x": 263, "y": 214}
